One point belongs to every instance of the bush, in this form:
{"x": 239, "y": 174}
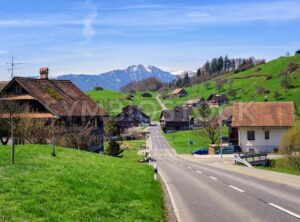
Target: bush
{"x": 290, "y": 145}
{"x": 130, "y": 97}
{"x": 113, "y": 149}
{"x": 268, "y": 77}
{"x": 98, "y": 88}
{"x": 258, "y": 69}
{"x": 146, "y": 94}
{"x": 277, "y": 95}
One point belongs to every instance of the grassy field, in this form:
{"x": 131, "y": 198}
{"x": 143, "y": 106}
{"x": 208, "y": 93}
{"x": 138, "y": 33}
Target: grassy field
{"x": 180, "y": 141}
{"x": 281, "y": 165}
{"x": 76, "y": 186}
{"x": 247, "y": 82}
{"x": 114, "y": 101}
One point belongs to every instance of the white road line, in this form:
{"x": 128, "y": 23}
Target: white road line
{"x": 235, "y": 188}
{"x": 213, "y": 178}
{"x": 176, "y": 211}
{"x": 198, "y": 171}
{"x": 285, "y": 210}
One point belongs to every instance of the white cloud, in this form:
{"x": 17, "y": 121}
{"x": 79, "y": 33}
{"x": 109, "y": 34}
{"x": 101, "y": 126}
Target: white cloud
{"x": 88, "y": 22}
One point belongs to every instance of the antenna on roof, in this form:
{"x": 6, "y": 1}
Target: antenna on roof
{"x": 12, "y": 66}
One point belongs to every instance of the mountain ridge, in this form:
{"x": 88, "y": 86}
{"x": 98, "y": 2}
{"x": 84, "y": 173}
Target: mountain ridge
{"x": 116, "y": 79}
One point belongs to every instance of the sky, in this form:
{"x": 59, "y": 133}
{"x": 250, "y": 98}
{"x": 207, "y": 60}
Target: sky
{"x": 95, "y": 36}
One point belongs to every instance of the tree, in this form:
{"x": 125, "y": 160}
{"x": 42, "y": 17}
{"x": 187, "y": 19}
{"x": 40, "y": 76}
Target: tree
{"x": 210, "y": 127}
{"x": 111, "y": 129}
{"x": 113, "y": 149}
{"x": 81, "y": 137}
{"x": 11, "y": 110}
{"x": 290, "y": 145}
{"x": 219, "y": 84}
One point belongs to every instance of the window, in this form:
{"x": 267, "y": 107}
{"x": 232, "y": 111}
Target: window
{"x": 267, "y": 135}
{"x": 18, "y": 90}
{"x": 251, "y": 135}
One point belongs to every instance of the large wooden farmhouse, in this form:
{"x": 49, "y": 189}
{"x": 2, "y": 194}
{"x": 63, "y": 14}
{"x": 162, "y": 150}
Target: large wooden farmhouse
{"x": 131, "y": 116}
{"x": 53, "y": 99}
{"x": 180, "y": 118}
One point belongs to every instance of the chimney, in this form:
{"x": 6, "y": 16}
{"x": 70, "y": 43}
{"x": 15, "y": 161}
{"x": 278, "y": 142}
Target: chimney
{"x": 44, "y": 73}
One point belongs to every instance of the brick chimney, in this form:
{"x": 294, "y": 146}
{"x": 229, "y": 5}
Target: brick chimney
{"x": 44, "y": 73}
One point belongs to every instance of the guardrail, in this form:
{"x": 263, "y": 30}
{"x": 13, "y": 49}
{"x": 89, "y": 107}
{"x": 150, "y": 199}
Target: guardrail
{"x": 252, "y": 159}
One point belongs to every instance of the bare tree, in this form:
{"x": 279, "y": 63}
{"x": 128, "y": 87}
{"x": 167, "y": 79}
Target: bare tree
{"x": 219, "y": 84}
{"x": 11, "y": 110}
{"x": 81, "y": 137}
{"x": 210, "y": 127}
{"x": 34, "y": 131}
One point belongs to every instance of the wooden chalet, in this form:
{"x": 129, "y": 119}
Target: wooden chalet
{"x": 196, "y": 102}
{"x": 53, "y": 100}
{"x": 177, "y": 93}
{"x": 180, "y": 118}
{"x": 216, "y": 100}
{"x": 131, "y": 116}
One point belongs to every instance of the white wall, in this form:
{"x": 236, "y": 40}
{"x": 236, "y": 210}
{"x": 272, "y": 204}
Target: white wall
{"x": 260, "y": 143}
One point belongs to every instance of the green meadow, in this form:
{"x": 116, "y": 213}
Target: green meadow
{"x": 76, "y": 186}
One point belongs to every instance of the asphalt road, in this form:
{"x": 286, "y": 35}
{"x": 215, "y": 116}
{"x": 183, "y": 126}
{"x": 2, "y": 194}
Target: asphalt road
{"x": 204, "y": 193}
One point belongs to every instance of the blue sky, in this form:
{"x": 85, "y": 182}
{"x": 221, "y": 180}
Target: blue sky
{"x": 94, "y": 36}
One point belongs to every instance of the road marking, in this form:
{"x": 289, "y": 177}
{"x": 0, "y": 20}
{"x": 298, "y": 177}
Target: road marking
{"x": 235, "y": 188}
{"x": 213, "y": 178}
{"x": 198, "y": 171}
{"x": 176, "y": 211}
{"x": 189, "y": 167}
{"x": 285, "y": 210}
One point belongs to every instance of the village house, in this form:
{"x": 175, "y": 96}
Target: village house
{"x": 131, "y": 116}
{"x": 58, "y": 100}
{"x": 261, "y": 125}
{"x": 180, "y": 118}
{"x": 216, "y": 100}
{"x": 178, "y": 93}
{"x": 196, "y": 102}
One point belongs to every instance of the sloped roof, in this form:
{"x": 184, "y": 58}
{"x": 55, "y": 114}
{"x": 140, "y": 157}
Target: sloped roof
{"x": 179, "y": 114}
{"x": 226, "y": 114}
{"x": 126, "y": 113}
{"x": 176, "y": 91}
{"x": 195, "y": 100}
{"x": 60, "y": 97}
{"x": 277, "y": 114}
{"x": 217, "y": 97}
{"x": 3, "y": 84}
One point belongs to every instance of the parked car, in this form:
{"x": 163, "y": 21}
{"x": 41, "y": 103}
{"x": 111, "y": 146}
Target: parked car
{"x": 231, "y": 149}
{"x": 201, "y": 151}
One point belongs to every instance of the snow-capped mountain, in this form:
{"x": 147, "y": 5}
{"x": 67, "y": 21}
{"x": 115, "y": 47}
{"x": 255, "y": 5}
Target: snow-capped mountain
{"x": 116, "y": 79}
{"x": 180, "y": 73}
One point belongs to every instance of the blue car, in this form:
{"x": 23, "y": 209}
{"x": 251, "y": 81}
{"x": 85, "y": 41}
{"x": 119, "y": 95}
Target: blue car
{"x": 231, "y": 149}
{"x": 201, "y": 151}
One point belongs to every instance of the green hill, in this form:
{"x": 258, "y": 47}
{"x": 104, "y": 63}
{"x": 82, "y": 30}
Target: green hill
{"x": 76, "y": 186}
{"x": 248, "y": 84}
{"x": 114, "y": 101}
